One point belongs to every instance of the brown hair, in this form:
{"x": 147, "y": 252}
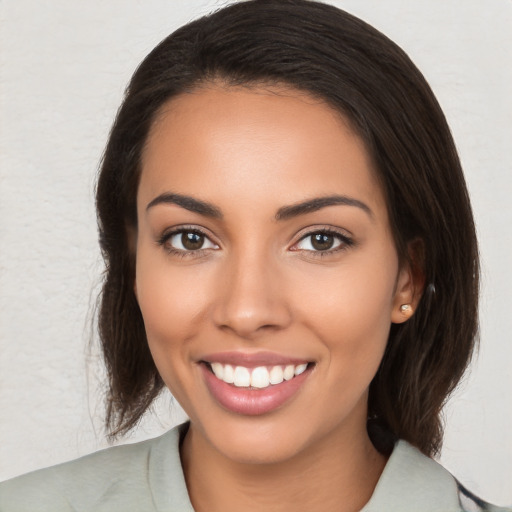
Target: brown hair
{"x": 359, "y": 72}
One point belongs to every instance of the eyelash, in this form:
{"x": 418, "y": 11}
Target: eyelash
{"x": 167, "y": 236}
{"x": 345, "y": 242}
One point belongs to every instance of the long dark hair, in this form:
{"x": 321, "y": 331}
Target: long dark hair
{"x": 359, "y": 72}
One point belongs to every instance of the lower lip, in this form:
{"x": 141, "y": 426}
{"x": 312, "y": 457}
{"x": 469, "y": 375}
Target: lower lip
{"x": 250, "y": 401}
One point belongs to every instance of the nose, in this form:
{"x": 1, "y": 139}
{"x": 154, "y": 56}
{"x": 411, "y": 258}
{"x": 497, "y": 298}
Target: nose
{"x": 251, "y": 296}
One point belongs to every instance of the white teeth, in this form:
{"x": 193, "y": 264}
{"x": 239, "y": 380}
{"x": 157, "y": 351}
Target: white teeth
{"x": 276, "y": 375}
{"x": 242, "y": 377}
{"x": 259, "y": 377}
{"x": 229, "y": 374}
{"x": 301, "y": 368}
{"x": 218, "y": 370}
{"x": 289, "y": 372}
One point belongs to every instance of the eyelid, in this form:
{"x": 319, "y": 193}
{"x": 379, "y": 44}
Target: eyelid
{"x": 166, "y": 236}
{"x": 345, "y": 238}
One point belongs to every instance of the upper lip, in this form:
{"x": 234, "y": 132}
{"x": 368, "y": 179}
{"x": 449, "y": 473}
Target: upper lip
{"x": 252, "y": 360}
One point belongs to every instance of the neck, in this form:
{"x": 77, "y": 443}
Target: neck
{"x": 339, "y": 473}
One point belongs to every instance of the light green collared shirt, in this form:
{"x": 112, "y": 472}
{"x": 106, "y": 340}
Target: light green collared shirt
{"x": 148, "y": 476}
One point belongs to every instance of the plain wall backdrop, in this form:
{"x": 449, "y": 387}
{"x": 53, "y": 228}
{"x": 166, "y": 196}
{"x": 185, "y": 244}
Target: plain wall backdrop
{"x": 63, "y": 67}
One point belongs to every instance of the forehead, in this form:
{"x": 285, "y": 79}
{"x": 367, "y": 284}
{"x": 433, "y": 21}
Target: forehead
{"x": 276, "y": 144}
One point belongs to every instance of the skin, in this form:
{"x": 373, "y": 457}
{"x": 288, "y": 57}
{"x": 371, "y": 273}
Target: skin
{"x": 258, "y": 285}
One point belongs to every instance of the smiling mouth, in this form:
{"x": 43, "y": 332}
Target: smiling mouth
{"x": 254, "y": 384}
{"x": 260, "y": 377}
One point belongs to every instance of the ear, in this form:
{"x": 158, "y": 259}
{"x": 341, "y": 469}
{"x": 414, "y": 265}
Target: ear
{"x": 410, "y": 284}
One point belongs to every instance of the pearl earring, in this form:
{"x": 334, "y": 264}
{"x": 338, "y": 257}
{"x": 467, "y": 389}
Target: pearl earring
{"x": 406, "y": 309}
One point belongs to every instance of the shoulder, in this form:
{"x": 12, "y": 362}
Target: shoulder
{"x": 471, "y": 503}
{"x": 413, "y": 481}
{"x": 118, "y": 478}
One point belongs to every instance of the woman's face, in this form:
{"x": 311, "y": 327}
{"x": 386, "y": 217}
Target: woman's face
{"x": 265, "y": 255}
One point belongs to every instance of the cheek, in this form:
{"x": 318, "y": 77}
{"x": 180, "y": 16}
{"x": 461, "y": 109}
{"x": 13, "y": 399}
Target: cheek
{"x": 172, "y": 300}
{"x": 351, "y": 313}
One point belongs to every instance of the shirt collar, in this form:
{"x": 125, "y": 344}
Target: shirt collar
{"x": 413, "y": 481}
{"x": 410, "y": 481}
{"x": 166, "y": 478}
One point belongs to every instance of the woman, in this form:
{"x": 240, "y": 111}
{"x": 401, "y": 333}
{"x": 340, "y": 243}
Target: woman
{"x": 290, "y": 250}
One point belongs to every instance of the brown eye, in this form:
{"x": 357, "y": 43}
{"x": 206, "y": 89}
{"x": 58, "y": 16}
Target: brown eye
{"x": 189, "y": 241}
{"x": 322, "y": 241}
{"x": 192, "y": 241}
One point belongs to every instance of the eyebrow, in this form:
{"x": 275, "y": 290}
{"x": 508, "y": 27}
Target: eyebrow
{"x": 284, "y": 213}
{"x": 189, "y": 203}
{"x": 317, "y": 203}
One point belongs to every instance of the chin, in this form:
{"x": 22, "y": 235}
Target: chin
{"x": 261, "y": 450}
{"x": 267, "y": 439}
